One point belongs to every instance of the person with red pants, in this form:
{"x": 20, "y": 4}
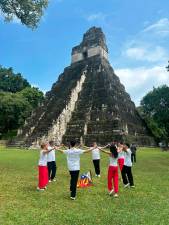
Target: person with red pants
{"x": 43, "y": 169}
{"x": 120, "y": 156}
{"x": 113, "y": 171}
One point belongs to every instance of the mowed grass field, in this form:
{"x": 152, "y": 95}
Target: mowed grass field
{"x": 21, "y": 204}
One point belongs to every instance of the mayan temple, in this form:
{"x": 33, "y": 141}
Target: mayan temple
{"x": 88, "y": 102}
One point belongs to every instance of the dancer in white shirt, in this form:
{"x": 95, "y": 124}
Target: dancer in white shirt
{"x": 96, "y": 159}
{"x": 73, "y": 163}
{"x": 127, "y": 175}
{"x": 42, "y": 166}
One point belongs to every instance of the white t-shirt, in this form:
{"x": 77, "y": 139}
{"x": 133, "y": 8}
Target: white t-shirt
{"x": 51, "y": 155}
{"x": 73, "y": 158}
{"x": 95, "y": 154}
{"x": 121, "y": 155}
{"x": 127, "y": 158}
{"x": 113, "y": 161}
{"x": 42, "y": 159}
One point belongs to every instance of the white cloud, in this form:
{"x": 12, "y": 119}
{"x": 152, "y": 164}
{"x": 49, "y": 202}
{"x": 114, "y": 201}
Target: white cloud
{"x": 96, "y": 16}
{"x": 139, "y": 81}
{"x": 44, "y": 91}
{"x": 161, "y": 27}
{"x": 145, "y": 53}
{"x": 150, "y": 44}
{"x": 35, "y": 85}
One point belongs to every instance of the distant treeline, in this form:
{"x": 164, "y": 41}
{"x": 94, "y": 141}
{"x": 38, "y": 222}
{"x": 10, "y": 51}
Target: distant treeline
{"x": 154, "y": 109}
{"x": 17, "y": 100}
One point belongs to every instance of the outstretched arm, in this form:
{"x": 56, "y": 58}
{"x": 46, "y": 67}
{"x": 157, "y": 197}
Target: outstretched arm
{"x": 84, "y": 146}
{"x": 46, "y": 151}
{"x": 106, "y": 146}
{"x": 63, "y": 146}
{"x": 89, "y": 150}
{"x": 60, "y": 150}
{"x": 105, "y": 151}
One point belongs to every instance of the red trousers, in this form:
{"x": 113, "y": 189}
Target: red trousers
{"x": 43, "y": 176}
{"x": 121, "y": 163}
{"x": 113, "y": 174}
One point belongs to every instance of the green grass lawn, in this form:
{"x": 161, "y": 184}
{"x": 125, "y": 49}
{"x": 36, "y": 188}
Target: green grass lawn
{"x": 21, "y": 204}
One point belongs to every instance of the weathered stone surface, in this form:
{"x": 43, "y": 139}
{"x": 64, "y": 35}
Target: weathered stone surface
{"x": 88, "y": 103}
{"x": 93, "y": 43}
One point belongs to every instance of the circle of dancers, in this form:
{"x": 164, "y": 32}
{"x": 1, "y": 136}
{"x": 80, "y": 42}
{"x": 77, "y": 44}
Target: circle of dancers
{"x": 119, "y": 155}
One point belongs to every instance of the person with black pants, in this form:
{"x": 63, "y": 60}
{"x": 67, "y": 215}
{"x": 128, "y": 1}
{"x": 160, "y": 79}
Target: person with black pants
{"x": 51, "y": 162}
{"x": 127, "y": 168}
{"x": 133, "y": 153}
{"x": 96, "y": 159}
{"x": 73, "y": 162}
{"x": 73, "y": 183}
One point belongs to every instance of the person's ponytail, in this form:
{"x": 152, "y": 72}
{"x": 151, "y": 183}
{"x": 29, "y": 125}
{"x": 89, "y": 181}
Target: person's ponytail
{"x": 113, "y": 150}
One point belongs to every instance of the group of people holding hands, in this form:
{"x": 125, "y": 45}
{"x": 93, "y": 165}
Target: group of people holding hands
{"x": 119, "y": 155}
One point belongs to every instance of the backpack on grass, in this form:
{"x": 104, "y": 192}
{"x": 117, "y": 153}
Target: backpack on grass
{"x": 85, "y": 180}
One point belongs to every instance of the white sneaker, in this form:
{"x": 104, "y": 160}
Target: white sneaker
{"x": 132, "y": 186}
{"x": 111, "y": 192}
{"x": 72, "y": 198}
{"x": 126, "y": 185}
{"x": 40, "y": 189}
{"x": 98, "y": 175}
{"x": 50, "y": 181}
{"x": 115, "y": 195}
{"x": 54, "y": 180}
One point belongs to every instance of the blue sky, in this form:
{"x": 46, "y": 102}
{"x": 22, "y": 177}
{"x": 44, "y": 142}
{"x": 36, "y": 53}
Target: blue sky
{"x": 137, "y": 33}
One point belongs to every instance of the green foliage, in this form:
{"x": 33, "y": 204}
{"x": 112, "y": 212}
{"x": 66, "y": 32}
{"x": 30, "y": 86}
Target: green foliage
{"x": 28, "y": 12}
{"x": 17, "y": 100}
{"x": 13, "y": 111}
{"x": 11, "y": 82}
{"x": 155, "y": 110}
{"x": 32, "y": 95}
{"x": 9, "y": 135}
{"x": 16, "y": 107}
{"x": 21, "y": 204}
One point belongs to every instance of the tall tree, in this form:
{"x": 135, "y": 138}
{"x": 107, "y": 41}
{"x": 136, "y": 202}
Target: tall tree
{"x": 155, "y": 109}
{"x": 11, "y": 82}
{"x": 13, "y": 111}
{"x": 17, "y": 100}
{"x": 16, "y": 107}
{"x": 28, "y": 12}
{"x": 32, "y": 95}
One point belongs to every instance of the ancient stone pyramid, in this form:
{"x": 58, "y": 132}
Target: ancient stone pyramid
{"x": 88, "y": 102}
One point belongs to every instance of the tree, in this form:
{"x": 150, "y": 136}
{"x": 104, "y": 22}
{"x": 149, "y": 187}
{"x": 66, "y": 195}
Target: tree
{"x": 13, "y": 111}
{"x": 16, "y": 107}
{"x": 155, "y": 110}
{"x": 33, "y": 96}
{"x": 11, "y": 82}
{"x": 28, "y": 12}
{"x": 17, "y": 100}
